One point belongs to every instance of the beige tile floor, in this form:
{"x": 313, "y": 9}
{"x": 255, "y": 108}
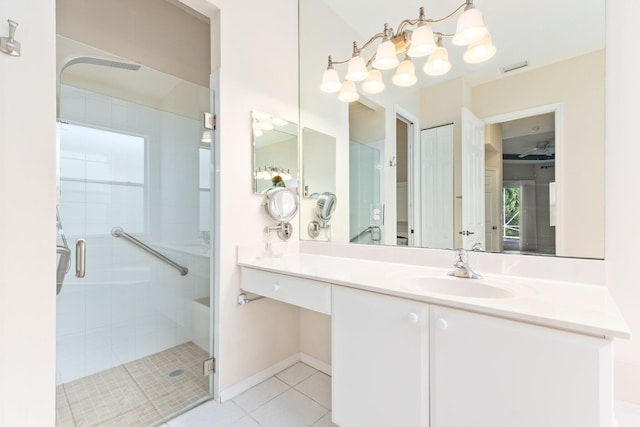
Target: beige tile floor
{"x": 139, "y": 393}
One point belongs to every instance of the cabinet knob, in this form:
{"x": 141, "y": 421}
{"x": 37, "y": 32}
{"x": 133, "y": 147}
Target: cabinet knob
{"x": 413, "y": 317}
{"x": 442, "y": 324}
{"x": 276, "y": 287}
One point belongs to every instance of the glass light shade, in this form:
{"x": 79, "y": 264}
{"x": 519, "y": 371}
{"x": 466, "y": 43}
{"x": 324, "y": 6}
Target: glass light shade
{"x": 470, "y": 28}
{"x": 386, "y": 58}
{"x": 422, "y": 43}
{"x": 330, "y": 81}
{"x": 259, "y": 115}
{"x": 348, "y": 92}
{"x": 438, "y": 63}
{"x": 356, "y": 69}
{"x": 373, "y": 83}
{"x": 257, "y": 131}
{"x": 405, "y": 74}
{"x": 279, "y": 122}
{"x": 480, "y": 51}
{"x": 206, "y": 136}
{"x": 265, "y": 124}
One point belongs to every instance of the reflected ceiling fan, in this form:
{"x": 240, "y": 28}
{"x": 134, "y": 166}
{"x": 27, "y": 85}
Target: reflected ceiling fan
{"x": 544, "y": 148}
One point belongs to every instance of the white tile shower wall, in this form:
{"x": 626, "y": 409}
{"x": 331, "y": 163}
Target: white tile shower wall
{"x": 129, "y": 305}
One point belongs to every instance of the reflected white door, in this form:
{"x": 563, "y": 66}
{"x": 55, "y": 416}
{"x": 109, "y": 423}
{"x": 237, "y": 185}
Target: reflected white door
{"x": 473, "y": 213}
{"x": 436, "y": 162}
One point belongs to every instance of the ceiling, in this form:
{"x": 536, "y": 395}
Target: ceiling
{"x": 541, "y": 32}
{"x": 519, "y": 136}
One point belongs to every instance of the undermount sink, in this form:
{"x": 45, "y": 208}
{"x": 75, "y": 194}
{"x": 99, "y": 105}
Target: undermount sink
{"x": 472, "y": 288}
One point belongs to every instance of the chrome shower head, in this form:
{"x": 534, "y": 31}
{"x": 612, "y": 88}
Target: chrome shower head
{"x": 104, "y": 61}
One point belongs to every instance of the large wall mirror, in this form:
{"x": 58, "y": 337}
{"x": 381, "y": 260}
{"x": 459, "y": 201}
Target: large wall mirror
{"x": 506, "y": 155}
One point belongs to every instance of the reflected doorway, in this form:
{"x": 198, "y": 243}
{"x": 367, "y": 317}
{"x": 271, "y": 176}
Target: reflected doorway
{"x": 527, "y": 168}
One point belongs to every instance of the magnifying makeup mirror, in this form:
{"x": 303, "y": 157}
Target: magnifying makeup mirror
{"x": 281, "y": 204}
{"x": 325, "y": 206}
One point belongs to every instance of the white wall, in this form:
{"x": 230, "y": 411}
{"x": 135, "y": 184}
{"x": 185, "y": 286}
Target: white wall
{"x": 622, "y": 176}
{"x": 27, "y": 217}
{"x": 259, "y": 68}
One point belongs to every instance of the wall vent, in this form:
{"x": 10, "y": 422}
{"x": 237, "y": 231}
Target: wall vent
{"x": 515, "y": 66}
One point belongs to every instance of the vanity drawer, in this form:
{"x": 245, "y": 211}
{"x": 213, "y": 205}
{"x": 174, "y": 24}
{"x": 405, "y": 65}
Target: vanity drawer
{"x": 305, "y": 293}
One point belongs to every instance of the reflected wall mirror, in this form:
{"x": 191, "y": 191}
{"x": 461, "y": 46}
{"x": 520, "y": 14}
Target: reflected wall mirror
{"x": 505, "y": 155}
{"x": 275, "y": 152}
{"x": 318, "y": 178}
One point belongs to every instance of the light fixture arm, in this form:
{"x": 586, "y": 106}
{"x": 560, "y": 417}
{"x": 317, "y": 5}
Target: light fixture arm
{"x": 372, "y": 39}
{"x": 421, "y": 19}
{"x": 449, "y": 16}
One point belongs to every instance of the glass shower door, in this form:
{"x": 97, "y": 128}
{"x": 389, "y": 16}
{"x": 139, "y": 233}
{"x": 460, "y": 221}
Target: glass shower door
{"x": 135, "y": 183}
{"x": 366, "y": 213}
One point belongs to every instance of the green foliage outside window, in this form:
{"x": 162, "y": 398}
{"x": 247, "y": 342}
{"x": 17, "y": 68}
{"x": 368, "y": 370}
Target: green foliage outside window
{"x": 512, "y": 212}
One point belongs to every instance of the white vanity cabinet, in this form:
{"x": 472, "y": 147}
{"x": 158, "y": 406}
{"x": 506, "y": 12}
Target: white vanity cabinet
{"x": 400, "y": 362}
{"x": 380, "y": 356}
{"x": 488, "y": 371}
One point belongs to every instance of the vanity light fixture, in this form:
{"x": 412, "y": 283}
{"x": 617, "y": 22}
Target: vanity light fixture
{"x": 263, "y": 121}
{"x": 414, "y": 43}
{"x": 270, "y": 172}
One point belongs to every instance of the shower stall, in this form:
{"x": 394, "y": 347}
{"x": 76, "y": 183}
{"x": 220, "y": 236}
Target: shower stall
{"x": 134, "y": 316}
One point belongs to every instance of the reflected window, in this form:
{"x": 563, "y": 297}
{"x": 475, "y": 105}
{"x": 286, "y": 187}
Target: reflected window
{"x": 102, "y": 180}
{"x": 511, "y": 215}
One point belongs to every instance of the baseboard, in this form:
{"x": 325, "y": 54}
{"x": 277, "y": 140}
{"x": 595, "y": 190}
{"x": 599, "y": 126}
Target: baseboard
{"x": 244, "y": 385}
{"x": 315, "y": 363}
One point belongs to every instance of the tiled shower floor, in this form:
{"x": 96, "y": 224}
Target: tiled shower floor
{"x": 138, "y": 393}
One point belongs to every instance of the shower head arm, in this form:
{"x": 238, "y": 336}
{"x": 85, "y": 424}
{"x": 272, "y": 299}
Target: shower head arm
{"x": 104, "y": 61}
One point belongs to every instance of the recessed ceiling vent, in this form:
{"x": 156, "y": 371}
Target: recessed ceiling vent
{"x": 514, "y": 67}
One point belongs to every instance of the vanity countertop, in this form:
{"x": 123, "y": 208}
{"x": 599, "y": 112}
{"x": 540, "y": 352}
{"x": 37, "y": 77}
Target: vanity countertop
{"x": 587, "y": 309}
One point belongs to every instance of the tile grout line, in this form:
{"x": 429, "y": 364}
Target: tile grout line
{"x": 73, "y": 418}
{"x": 289, "y": 387}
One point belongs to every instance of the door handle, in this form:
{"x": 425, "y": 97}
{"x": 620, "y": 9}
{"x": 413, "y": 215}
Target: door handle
{"x": 466, "y": 232}
{"x": 81, "y": 257}
{"x": 495, "y": 227}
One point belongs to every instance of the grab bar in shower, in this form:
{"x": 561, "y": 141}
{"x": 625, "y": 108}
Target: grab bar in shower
{"x": 119, "y": 232}
{"x": 63, "y": 266}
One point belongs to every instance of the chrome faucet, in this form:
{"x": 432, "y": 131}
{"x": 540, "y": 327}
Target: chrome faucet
{"x": 461, "y": 266}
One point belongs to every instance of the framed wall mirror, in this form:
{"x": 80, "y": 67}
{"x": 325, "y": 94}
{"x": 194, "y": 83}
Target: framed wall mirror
{"x": 275, "y": 152}
{"x": 505, "y": 155}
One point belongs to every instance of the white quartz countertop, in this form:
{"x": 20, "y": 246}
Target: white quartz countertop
{"x": 586, "y": 309}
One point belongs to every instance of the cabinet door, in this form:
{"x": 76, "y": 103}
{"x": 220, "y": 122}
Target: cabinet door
{"x": 380, "y": 350}
{"x": 492, "y": 372}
